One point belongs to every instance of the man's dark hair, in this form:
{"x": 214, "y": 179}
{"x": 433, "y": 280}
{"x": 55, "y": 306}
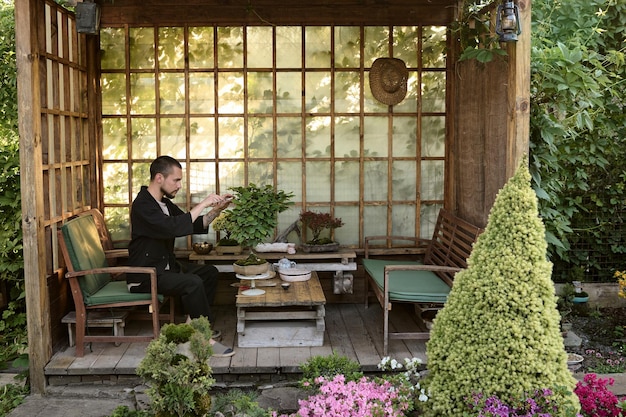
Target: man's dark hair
{"x": 163, "y": 165}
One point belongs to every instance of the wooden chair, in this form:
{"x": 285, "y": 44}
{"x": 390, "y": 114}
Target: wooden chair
{"x": 423, "y": 284}
{"x": 92, "y": 286}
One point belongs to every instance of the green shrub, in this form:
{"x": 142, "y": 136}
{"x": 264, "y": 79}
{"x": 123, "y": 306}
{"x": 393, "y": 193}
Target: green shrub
{"x": 237, "y": 402}
{"x": 11, "y": 396}
{"x": 329, "y": 366}
{"x": 498, "y": 334}
{"x": 179, "y": 379}
{"x": 124, "y": 411}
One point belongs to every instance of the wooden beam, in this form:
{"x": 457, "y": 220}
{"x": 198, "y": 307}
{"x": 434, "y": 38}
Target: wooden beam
{"x": 518, "y": 125}
{"x": 273, "y": 12}
{"x": 28, "y": 99}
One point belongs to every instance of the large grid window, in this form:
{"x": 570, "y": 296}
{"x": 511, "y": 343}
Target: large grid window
{"x": 289, "y": 106}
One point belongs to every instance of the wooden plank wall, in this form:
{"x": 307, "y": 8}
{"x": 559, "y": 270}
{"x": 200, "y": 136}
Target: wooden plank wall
{"x": 480, "y": 158}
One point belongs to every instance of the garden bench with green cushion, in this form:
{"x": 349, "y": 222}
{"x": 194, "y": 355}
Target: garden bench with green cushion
{"x": 93, "y": 288}
{"x": 421, "y": 283}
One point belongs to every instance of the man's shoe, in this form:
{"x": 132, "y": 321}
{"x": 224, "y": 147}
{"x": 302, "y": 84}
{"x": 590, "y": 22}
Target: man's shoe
{"x": 221, "y": 351}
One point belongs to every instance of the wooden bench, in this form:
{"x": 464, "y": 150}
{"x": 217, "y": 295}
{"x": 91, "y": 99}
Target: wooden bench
{"x": 426, "y": 283}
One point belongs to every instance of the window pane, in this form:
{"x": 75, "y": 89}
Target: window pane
{"x": 141, "y": 48}
{"x": 317, "y": 92}
{"x": 260, "y": 92}
{"x": 201, "y": 93}
{"x": 432, "y": 180}
{"x": 347, "y": 47}
{"x": 112, "y": 51}
{"x": 405, "y": 44}
{"x": 347, "y": 181}
{"x": 230, "y": 47}
{"x": 289, "y": 94}
{"x": 403, "y": 220}
{"x": 375, "y": 136}
{"x": 173, "y": 137}
{"x": 117, "y": 220}
{"x": 290, "y": 178}
{"x": 375, "y": 181}
{"x": 317, "y": 44}
{"x": 171, "y": 48}
{"x": 142, "y": 94}
{"x": 172, "y": 93}
{"x": 410, "y": 101}
{"x": 116, "y": 187}
{"x": 260, "y": 173}
{"x": 201, "y": 47}
{"x": 289, "y": 137}
{"x": 231, "y": 137}
{"x": 319, "y": 188}
{"x": 140, "y": 175}
{"x": 433, "y": 136}
{"x": 428, "y": 219}
{"x": 404, "y": 181}
{"x": 434, "y": 47}
{"x": 374, "y": 220}
{"x": 433, "y": 92}
{"x": 347, "y": 92}
{"x": 348, "y": 234}
{"x": 318, "y": 137}
{"x": 202, "y": 137}
{"x": 288, "y": 47}
{"x": 231, "y": 175}
{"x": 404, "y": 137}
{"x": 259, "y": 47}
{"x": 114, "y": 139}
{"x": 113, "y": 93}
{"x": 347, "y": 137}
{"x": 201, "y": 180}
{"x": 375, "y": 44}
{"x": 143, "y": 138}
{"x": 230, "y": 96}
{"x": 261, "y": 137}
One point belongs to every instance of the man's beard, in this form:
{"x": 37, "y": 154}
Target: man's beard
{"x": 168, "y": 195}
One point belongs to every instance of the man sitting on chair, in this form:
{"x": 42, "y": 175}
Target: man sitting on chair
{"x": 155, "y": 223}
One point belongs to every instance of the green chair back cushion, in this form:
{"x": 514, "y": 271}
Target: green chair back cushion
{"x": 85, "y": 252}
{"x": 408, "y": 286}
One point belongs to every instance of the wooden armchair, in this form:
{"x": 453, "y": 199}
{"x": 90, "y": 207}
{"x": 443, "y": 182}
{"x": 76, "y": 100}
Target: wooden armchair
{"x": 93, "y": 288}
{"x": 423, "y": 284}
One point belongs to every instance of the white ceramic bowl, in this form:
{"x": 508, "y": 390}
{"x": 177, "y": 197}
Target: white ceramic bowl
{"x": 294, "y": 274}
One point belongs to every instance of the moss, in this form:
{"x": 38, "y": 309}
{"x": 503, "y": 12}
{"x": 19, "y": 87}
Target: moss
{"x": 499, "y": 333}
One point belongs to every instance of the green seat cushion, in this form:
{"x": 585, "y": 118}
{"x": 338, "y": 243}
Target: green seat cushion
{"x": 408, "y": 286}
{"x": 116, "y": 292}
{"x": 85, "y": 252}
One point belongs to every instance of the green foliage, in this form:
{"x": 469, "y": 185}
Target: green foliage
{"x": 8, "y": 70}
{"x": 124, "y": 411}
{"x": 179, "y": 378}
{"x": 499, "y": 334}
{"x": 329, "y": 366}
{"x": 578, "y": 131}
{"x": 177, "y": 333}
{"x": 236, "y": 402}
{"x": 11, "y": 395}
{"x": 474, "y": 31}
{"x": 254, "y": 217}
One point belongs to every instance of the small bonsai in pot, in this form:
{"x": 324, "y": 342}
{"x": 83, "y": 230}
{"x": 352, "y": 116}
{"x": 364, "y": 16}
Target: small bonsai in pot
{"x": 226, "y": 244}
{"x": 318, "y": 223}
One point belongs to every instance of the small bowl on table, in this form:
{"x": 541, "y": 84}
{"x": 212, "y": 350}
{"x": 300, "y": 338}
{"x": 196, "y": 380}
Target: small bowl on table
{"x": 202, "y": 248}
{"x": 294, "y": 274}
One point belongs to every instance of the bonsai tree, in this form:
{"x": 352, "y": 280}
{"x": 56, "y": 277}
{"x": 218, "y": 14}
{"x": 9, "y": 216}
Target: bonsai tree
{"x": 318, "y": 222}
{"x": 255, "y": 214}
{"x": 498, "y": 334}
{"x": 176, "y": 369}
{"x": 222, "y": 223}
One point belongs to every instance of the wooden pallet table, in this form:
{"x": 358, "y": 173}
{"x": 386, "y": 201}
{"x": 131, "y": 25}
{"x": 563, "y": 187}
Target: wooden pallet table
{"x": 282, "y": 318}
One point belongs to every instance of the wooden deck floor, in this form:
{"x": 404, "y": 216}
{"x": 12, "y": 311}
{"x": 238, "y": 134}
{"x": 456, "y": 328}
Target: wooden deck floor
{"x": 351, "y": 330}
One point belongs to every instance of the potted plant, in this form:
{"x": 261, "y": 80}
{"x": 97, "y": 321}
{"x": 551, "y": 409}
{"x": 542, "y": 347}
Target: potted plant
{"x": 254, "y": 216}
{"x": 226, "y": 244}
{"x": 318, "y": 223}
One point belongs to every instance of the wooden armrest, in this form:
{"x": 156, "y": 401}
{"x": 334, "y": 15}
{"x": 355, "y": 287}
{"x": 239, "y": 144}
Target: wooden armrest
{"x": 116, "y": 253}
{"x": 417, "y": 241}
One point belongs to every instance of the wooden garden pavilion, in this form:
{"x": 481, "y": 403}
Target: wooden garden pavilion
{"x": 61, "y": 123}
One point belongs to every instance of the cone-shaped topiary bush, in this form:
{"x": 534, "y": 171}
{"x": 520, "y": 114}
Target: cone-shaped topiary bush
{"x": 498, "y": 333}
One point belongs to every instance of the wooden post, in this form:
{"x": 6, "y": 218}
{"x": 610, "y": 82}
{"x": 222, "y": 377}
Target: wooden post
{"x": 37, "y": 300}
{"x": 518, "y": 123}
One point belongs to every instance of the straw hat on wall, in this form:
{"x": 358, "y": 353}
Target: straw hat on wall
{"x": 388, "y": 78}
